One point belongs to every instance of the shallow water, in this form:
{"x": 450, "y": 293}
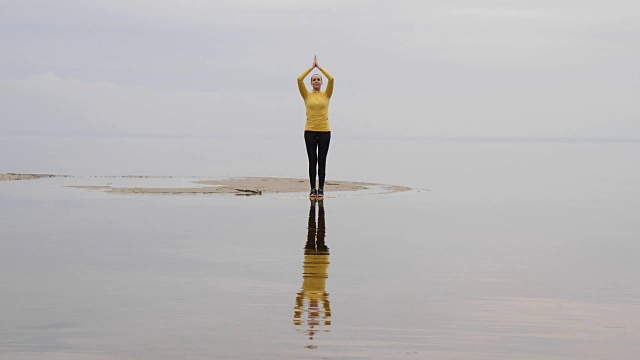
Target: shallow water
{"x": 504, "y": 250}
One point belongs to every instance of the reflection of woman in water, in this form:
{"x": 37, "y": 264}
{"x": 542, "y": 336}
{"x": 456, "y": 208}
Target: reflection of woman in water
{"x": 313, "y": 299}
{"x": 317, "y": 133}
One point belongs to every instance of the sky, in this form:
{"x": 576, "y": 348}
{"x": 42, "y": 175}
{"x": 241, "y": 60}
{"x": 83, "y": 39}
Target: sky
{"x": 462, "y": 68}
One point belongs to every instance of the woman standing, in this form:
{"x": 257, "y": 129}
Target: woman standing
{"x": 317, "y": 133}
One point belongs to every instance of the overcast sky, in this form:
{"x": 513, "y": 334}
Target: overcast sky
{"x": 525, "y": 68}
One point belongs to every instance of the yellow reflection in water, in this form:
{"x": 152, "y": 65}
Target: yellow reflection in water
{"x": 312, "y": 312}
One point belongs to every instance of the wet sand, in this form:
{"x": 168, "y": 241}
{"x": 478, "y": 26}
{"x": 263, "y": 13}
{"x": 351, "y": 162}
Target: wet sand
{"x": 357, "y": 277}
{"x": 516, "y": 251}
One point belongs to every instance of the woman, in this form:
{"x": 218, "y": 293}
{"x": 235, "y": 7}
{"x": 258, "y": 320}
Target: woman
{"x": 312, "y": 301}
{"x": 317, "y": 134}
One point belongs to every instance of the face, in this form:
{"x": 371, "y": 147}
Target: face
{"x": 316, "y": 82}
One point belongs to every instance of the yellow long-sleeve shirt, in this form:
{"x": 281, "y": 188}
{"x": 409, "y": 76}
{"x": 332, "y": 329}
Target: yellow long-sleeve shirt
{"x": 313, "y": 298}
{"x": 316, "y": 102}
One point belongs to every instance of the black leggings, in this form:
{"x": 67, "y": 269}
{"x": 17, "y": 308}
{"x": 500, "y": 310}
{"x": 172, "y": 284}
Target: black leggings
{"x": 315, "y": 236}
{"x": 317, "y": 140}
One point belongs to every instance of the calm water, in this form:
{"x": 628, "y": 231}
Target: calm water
{"x": 504, "y": 250}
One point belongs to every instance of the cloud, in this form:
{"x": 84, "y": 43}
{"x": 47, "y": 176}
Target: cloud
{"x": 496, "y": 68}
{"x": 50, "y": 103}
{"x": 465, "y": 104}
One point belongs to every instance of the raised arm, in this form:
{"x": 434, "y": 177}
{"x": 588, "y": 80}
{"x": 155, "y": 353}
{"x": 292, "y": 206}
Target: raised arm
{"x": 329, "y": 89}
{"x": 303, "y": 89}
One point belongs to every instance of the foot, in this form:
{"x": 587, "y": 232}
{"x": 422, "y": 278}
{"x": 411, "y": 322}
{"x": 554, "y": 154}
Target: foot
{"x": 313, "y": 194}
{"x": 320, "y": 193}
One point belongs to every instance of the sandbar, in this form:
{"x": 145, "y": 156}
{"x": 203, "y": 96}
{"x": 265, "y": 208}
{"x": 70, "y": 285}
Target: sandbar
{"x": 249, "y": 186}
{"x": 237, "y": 186}
{"x": 12, "y": 176}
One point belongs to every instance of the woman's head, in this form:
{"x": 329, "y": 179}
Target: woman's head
{"x": 316, "y": 81}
